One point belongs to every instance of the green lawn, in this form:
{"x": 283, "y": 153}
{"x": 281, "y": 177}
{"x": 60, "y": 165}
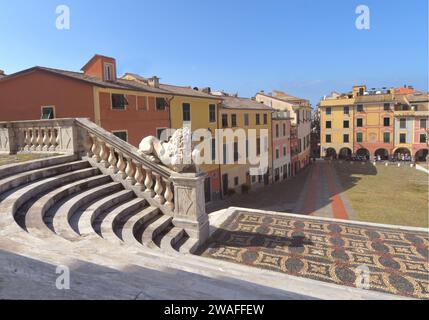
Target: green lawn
{"x": 390, "y": 195}
{"x": 6, "y": 159}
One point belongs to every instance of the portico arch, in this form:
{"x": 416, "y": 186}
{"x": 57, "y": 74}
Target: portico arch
{"x": 345, "y": 153}
{"x": 383, "y": 153}
{"x": 421, "y": 155}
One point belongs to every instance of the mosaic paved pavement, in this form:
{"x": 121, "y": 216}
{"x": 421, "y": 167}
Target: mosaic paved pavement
{"x": 327, "y": 251}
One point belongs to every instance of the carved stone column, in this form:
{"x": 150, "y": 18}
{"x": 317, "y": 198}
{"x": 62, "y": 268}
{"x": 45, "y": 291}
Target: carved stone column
{"x": 8, "y": 143}
{"x": 190, "y": 208}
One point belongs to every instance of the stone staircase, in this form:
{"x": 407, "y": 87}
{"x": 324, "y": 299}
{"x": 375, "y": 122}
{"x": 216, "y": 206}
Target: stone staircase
{"x": 69, "y": 197}
{"x": 124, "y": 225}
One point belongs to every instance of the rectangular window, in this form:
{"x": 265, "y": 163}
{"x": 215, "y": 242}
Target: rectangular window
{"x": 161, "y": 103}
{"x": 359, "y": 122}
{"x": 277, "y": 130}
{"x": 258, "y": 146}
{"x": 284, "y": 151}
{"x": 265, "y": 118}
{"x": 328, "y": 110}
{"x": 119, "y": 101}
{"x": 328, "y": 138}
{"x": 236, "y": 181}
{"x": 121, "y": 135}
{"x": 233, "y": 120}
{"x": 213, "y": 149}
{"x": 284, "y": 130}
{"x": 423, "y": 123}
{"x": 386, "y": 137}
{"x": 386, "y": 106}
{"x": 224, "y": 120}
{"x": 386, "y": 122}
{"x": 235, "y": 151}
{"x": 246, "y": 119}
{"x": 346, "y": 138}
{"x": 346, "y": 124}
{"x": 277, "y": 153}
{"x": 328, "y": 124}
{"x": 225, "y": 155}
{"x": 258, "y": 119}
{"x": 359, "y": 108}
{"x": 108, "y": 72}
{"x": 422, "y": 138}
{"x": 403, "y": 123}
{"x": 359, "y": 137}
{"x": 47, "y": 113}
{"x": 346, "y": 110}
{"x": 212, "y": 113}
{"x": 186, "y": 112}
{"x": 403, "y": 138}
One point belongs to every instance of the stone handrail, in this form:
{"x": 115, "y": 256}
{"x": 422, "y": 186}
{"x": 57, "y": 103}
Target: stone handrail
{"x": 180, "y": 195}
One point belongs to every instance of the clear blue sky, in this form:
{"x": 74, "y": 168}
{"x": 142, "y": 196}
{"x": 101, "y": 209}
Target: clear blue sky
{"x": 304, "y": 47}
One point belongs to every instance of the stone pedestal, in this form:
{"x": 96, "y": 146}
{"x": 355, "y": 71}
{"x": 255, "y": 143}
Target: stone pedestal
{"x": 190, "y": 213}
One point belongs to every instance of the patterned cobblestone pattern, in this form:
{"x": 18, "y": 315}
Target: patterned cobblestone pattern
{"x": 339, "y": 253}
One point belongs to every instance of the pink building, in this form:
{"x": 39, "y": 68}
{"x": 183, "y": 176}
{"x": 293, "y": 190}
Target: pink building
{"x": 281, "y": 125}
{"x": 420, "y": 145}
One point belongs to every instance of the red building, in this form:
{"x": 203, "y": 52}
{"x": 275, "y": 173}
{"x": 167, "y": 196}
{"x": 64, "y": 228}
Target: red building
{"x": 129, "y": 109}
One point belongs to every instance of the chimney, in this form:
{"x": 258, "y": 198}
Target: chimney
{"x": 154, "y": 82}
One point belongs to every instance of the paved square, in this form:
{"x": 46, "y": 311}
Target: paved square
{"x": 326, "y": 251}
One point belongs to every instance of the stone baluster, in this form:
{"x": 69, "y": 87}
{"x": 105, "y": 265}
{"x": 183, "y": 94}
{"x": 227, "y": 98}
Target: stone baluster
{"x": 95, "y": 149}
{"x": 103, "y": 154}
{"x": 39, "y": 139}
{"x": 139, "y": 176}
{"x": 53, "y": 140}
{"x": 112, "y": 160}
{"x": 88, "y": 146}
{"x": 158, "y": 188}
{"x": 58, "y": 138}
{"x": 148, "y": 182}
{"x": 121, "y": 166}
{"x": 27, "y": 140}
{"x": 129, "y": 171}
{"x": 45, "y": 139}
{"x": 33, "y": 140}
{"x": 168, "y": 195}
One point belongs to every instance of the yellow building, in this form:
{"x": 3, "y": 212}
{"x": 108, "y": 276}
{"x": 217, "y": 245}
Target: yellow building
{"x": 197, "y": 109}
{"x": 336, "y": 125}
{"x": 245, "y": 114}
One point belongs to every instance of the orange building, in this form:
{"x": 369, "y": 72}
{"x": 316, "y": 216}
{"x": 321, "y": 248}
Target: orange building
{"x": 128, "y": 109}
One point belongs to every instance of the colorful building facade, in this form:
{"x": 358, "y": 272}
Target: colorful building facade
{"x": 243, "y": 113}
{"x": 300, "y": 113}
{"x": 374, "y": 123}
{"x": 281, "y": 139}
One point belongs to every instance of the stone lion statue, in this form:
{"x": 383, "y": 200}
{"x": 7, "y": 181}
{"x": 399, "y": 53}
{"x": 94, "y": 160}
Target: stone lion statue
{"x": 176, "y": 154}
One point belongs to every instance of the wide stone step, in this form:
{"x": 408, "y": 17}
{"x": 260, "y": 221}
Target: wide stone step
{"x": 16, "y": 198}
{"x": 117, "y": 216}
{"x": 37, "y": 174}
{"x": 16, "y": 168}
{"x": 168, "y": 240}
{"x": 137, "y": 222}
{"x": 153, "y": 229}
{"x": 36, "y": 216}
{"x": 91, "y": 213}
{"x": 63, "y": 214}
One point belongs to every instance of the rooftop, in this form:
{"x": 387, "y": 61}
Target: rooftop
{"x": 229, "y": 102}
